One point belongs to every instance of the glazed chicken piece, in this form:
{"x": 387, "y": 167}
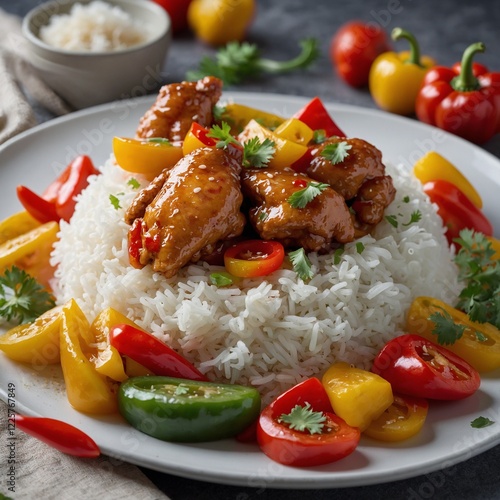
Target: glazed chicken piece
{"x": 360, "y": 178}
{"x": 177, "y": 106}
{"x": 324, "y": 219}
{"x": 185, "y": 213}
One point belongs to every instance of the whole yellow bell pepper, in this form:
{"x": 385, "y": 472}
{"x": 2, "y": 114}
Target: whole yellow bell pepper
{"x": 217, "y": 22}
{"x": 479, "y": 344}
{"x": 36, "y": 343}
{"x": 87, "y": 390}
{"x": 395, "y": 78}
{"x": 357, "y": 396}
{"x": 432, "y": 166}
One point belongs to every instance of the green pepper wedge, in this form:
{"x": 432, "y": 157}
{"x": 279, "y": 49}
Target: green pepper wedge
{"x": 181, "y": 410}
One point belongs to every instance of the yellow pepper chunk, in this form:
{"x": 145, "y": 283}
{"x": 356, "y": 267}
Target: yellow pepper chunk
{"x": 36, "y": 343}
{"x": 295, "y": 130}
{"x": 15, "y": 225}
{"x": 432, "y": 166}
{"x": 287, "y": 152}
{"x": 479, "y": 344}
{"x": 495, "y": 245}
{"x": 147, "y": 157}
{"x": 357, "y": 396}
{"x": 87, "y": 390}
{"x": 238, "y": 116}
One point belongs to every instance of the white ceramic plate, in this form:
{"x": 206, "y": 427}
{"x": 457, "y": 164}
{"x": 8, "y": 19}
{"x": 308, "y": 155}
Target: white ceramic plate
{"x": 35, "y": 157}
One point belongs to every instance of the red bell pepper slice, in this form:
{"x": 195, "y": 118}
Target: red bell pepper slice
{"x": 418, "y": 367}
{"x": 42, "y": 210}
{"x": 60, "y": 435}
{"x": 463, "y": 100}
{"x": 300, "y": 448}
{"x": 152, "y": 353}
{"x": 315, "y": 115}
{"x": 456, "y": 210}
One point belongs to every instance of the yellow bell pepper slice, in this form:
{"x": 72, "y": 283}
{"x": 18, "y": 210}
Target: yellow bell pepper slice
{"x": 402, "y": 420}
{"x": 295, "y": 130}
{"x": 238, "y": 116}
{"x": 87, "y": 390}
{"x": 135, "y": 369}
{"x": 148, "y": 157}
{"x": 36, "y": 343}
{"x": 432, "y": 166}
{"x": 15, "y": 225}
{"x": 287, "y": 152}
{"x": 479, "y": 344}
{"x": 357, "y": 396}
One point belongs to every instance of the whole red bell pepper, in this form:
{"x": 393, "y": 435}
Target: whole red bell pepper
{"x": 58, "y": 200}
{"x": 463, "y": 99}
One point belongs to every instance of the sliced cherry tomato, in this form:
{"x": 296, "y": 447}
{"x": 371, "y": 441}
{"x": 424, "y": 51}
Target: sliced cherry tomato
{"x": 315, "y": 115}
{"x": 402, "y": 420}
{"x": 252, "y": 258}
{"x": 456, "y": 210}
{"x": 301, "y": 448}
{"x": 60, "y": 435}
{"x": 152, "y": 353}
{"x": 418, "y": 367}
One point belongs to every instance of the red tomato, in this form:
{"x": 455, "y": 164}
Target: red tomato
{"x": 354, "y": 48}
{"x": 418, "y": 367}
{"x": 177, "y": 10}
{"x": 456, "y": 210}
{"x": 252, "y": 258}
{"x": 300, "y": 448}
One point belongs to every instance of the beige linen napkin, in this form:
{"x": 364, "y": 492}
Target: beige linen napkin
{"x": 43, "y": 472}
{"x": 19, "y": 82}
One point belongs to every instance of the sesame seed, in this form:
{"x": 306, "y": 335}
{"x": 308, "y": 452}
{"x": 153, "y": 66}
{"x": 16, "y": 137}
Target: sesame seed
{"x": 211, "y": 178}
{"x": 197, "y": 190}
{"x": 202, "y": 166}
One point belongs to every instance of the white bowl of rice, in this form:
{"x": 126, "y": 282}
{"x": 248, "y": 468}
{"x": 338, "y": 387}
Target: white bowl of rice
{"x": 94, "y": 51}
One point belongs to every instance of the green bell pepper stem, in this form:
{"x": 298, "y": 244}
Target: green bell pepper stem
{"x": 466, "y": 81}
{"x": 397, "y": 34}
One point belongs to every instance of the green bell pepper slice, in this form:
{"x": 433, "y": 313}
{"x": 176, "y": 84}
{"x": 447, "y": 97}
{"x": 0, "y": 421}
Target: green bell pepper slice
{"x": 181, "y": 410}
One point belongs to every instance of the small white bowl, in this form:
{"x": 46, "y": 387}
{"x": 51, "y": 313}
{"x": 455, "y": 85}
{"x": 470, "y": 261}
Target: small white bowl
{"x": 85, "y": 79}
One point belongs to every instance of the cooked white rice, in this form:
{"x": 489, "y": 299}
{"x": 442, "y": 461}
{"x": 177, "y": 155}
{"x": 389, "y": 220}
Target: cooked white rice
{"x": 94, "y": 27}
{"x": 272, "y": 332}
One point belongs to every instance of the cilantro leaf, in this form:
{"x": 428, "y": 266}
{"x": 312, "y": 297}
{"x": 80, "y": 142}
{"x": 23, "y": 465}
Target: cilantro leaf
{"x": 359, "y": 247}
{"x": 337, "y": 254}
{"x": 336, "y": 152}
{"x": 223, "y": 135}
{"x": 22, "y": 298}
{"x": 256, "y": 153}
{"x": 480, "y": 422}
{"x": 218, "y": 112}
{"x": 446, "y": 330}
{"x": 415, "y": 216}
{"x": 302, "y": 197}
{"x": 392, "y": 220}
{"x": 133, "y": 183}
{"x": 221, "y": 279}
{"x": 319, "y": 136}
{"x": 301, "y": 264}
{"x": 115, "y": 201}
{"x": 303, "y": 419}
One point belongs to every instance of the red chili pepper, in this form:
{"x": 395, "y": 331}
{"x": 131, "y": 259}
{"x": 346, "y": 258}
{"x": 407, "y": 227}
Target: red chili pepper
{"x": 463, "y": 100}
{"x": 42, "y": 210}
{"x": 60, "y": 435}
{"x": 456, "y": 210}
{"x": 315, "y": 115}
{"x": 152, "y": 353}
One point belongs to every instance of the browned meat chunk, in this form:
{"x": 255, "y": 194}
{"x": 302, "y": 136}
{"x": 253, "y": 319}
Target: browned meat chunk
{"x": 325, "y": 218}
{"x": 177, "y": 106}
{"x": 196, "y": 207}
{"x": 372, "y": 198}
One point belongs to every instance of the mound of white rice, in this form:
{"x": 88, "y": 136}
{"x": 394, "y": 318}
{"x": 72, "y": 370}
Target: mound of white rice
{"x": 273, "y": 332}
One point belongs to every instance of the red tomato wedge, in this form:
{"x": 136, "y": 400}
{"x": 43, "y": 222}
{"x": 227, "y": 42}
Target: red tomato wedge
{"x": 298, "y": 448}
{"x": 418, "y": 367}
{"x": 252, "y": 258}
{"x": 152, "y": 353}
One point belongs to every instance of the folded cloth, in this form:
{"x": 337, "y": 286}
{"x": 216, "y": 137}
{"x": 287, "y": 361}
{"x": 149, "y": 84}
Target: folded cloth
{"x": 19, "y": 82}
{"x": 35, "y": 470}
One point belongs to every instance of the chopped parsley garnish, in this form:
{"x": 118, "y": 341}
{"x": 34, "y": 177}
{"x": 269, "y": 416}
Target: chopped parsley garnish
{"x": 303, "y": 419}
{"x": 480, "y": 422}
{"x": 223, "y": 135}
{"x": 302, "y": 197}
{"x": 160, "y": 140}
{"x": 301, "y": 264}
{"x": 359, "y": 247}
{"x": 319, "y": 136}
{"x": 263, "y": 216}
{"x": 336, "y": 152}
{"x": 221, "y": 279}
{"x": 415, "y": 216}
{"x": 22, "y": 298}
{"x": 133, "y": 183}
{"x": 239, "y": 61}
{"x": 337, "y": 255}
{"x": 406, "y": 199}
{"x": 446, "y": 330}
{"x": 218, "y": 112}
{"x": 258, "y": 154}
{"x": 115, "y": 201}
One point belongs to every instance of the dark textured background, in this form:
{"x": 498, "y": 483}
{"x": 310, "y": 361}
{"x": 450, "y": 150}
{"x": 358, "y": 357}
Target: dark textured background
{"x": 444, "y": 28}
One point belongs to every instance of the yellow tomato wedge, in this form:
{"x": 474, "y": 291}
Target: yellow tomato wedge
{"x": 15, "y": 225}
{"x": 357, "y": 396}
{"x": 87, "y": 390}
{"x": 402, "y": 420}
{"x": 295, "y": 130}
{"x": 479, "y": 344}
{"x": 36, "y": 343}
{"x": 238, "y": 116}
{"x": 148, "y": 157}
{"x": 432, "y": 166}
{"x": 287, "y": 152}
